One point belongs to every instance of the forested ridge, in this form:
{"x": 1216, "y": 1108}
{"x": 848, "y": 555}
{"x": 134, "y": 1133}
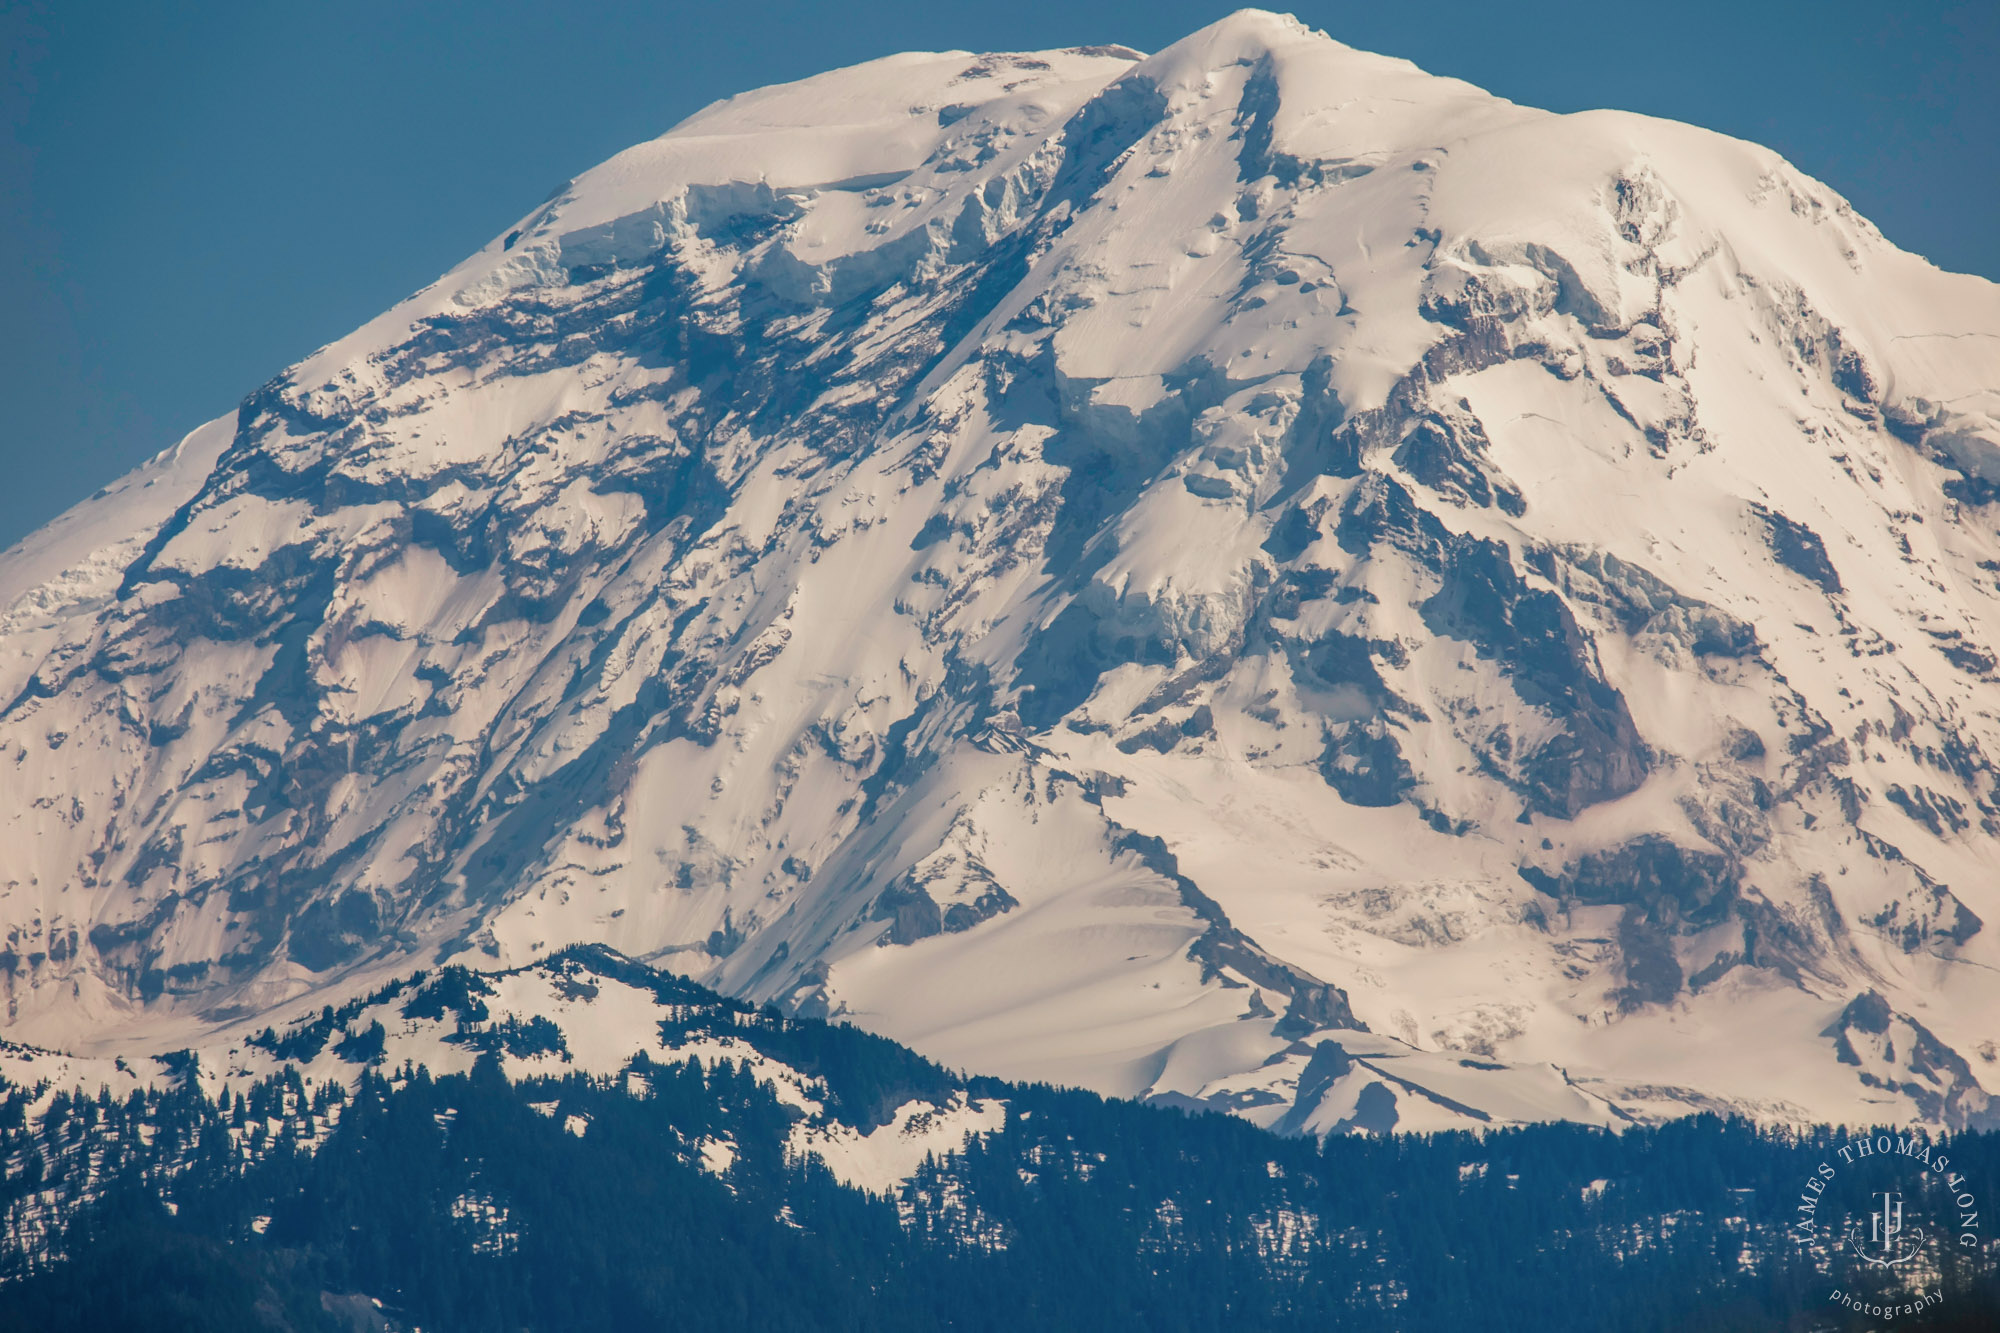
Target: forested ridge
{"x": 470, "y": 1203}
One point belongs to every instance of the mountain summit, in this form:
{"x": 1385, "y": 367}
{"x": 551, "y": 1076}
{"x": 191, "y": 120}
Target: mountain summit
{"x": 1252, "y": 576}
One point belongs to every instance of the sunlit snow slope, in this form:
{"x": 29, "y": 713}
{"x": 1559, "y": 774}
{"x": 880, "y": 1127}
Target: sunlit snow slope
{"x": 1251, "y": 575}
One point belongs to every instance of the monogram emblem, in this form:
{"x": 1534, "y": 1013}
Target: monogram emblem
{"x": 1882, "y": 1240}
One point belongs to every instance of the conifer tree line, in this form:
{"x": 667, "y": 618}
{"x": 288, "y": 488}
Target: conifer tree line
{"x": 468, "y": 1202}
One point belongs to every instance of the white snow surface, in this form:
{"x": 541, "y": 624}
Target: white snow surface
{"x": 890, "y": 1154}
{"x": 1252, "y": 575}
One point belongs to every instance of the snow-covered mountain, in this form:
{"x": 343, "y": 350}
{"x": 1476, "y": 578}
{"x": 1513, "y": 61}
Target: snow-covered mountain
{"x": 1251, "y": 575}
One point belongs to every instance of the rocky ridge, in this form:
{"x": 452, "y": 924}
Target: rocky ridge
{"x": 1252, "y": 576}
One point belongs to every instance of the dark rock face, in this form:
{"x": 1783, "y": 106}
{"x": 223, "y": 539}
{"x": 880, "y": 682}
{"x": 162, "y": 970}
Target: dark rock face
{"x": 328, "y": 934}
{"x": 1642, "y": 604}
{"x": 1939, "y": 813}
{"x": 1553, "y": 666}
{"x": 1529, "y": 632}
{"x": 1670, "y": 884}
{"x": 1653, "y": 973}
{"x": 1799, "y": 549}
{"x": 990, "y": 903}
{"x": 914, "y": 914}
{"x": 911, "y": 913}
{"x": 1060, "y": 668}
{"x": 1342, "y": 659}
{"x": 1364, "y": 763}
{"x": 1161, "y": 735}
{"x": 1895, "y": 1053}
{"x": 1666, "y": 890}
{"x": 1867, "y": 1012}
{"x": 1446, "y": 452}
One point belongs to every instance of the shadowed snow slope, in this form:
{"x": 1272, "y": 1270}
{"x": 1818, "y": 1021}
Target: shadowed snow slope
{"x": 1251, "y": 575}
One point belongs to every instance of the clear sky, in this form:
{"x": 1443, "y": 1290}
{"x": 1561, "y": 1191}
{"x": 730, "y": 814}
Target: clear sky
{"x": 194, "y": 195}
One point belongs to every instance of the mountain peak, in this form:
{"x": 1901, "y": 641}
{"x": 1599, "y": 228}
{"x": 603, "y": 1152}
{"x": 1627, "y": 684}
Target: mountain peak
{"x": 1244, "y": 575}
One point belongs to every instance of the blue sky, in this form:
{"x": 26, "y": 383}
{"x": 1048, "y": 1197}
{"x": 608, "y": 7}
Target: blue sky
{"x": 194, "y": 196}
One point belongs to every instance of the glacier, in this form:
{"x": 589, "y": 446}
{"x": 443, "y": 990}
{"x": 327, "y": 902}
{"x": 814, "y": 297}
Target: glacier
{"x": 1252, "y": 577}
